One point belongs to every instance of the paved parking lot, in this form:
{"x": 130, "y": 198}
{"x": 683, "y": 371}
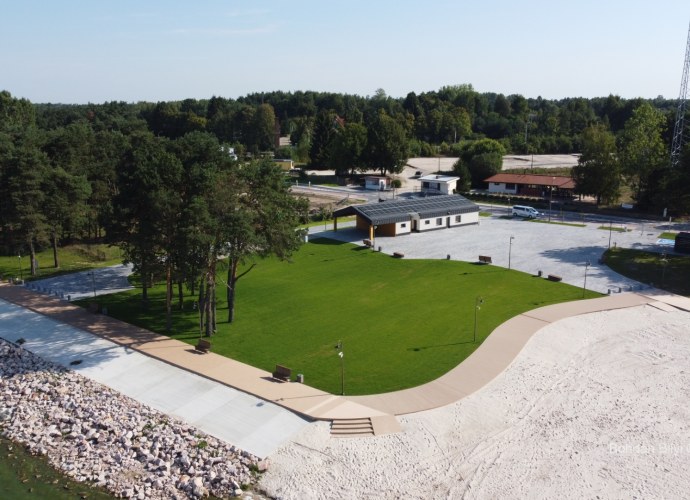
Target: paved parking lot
{"x": 550, "y": 248}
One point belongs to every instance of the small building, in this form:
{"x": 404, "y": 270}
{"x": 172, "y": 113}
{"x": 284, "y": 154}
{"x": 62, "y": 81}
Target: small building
{"x": 404, "y": 216}
{"x": 543, "y": 186}
{"x": 377, "y": 183}
{"x": 438, "y": 184}
{"x": 284, "y": 164}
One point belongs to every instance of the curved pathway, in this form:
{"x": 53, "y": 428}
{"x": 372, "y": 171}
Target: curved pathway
{"x": 488, "y": 361}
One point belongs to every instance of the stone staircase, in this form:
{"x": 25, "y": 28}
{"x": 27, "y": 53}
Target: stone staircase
{"x": 352, "y": 427}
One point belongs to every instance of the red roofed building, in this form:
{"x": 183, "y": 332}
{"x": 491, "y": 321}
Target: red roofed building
{"x": 532, "y": 185}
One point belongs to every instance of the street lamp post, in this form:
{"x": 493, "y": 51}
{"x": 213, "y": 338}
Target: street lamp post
{"x": 610, "y": 230}
{"x": 510, "y": 249}
{"x": 553, "y": 179}
{"x": 664, "y": 262}
{"x": 477, "y": 303}
{"x": 93, "y": 282}
{"x": 584, "y": 286}
{"x": 21, "y": 275}
{"x": 339, "y": 346}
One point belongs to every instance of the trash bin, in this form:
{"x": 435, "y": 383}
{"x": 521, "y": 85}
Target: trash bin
{"x": 539, "y": 273}
{"x": 300, "y": 378}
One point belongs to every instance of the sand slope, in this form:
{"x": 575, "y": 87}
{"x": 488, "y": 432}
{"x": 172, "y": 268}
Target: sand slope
{"x": 595, "y": 405}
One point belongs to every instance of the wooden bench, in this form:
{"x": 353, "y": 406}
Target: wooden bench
{"x": 485, "y": 259}
{"x": 203, "y": 346}
{"x": 553, "y": 277}
{"x": 282, "y": 373}
{"x": 398, "y": 255}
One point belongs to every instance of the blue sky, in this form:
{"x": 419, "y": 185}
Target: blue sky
{"x": 78, "y": 51}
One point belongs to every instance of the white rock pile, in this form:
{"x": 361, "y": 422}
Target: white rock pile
{"x": 97, "y": 435}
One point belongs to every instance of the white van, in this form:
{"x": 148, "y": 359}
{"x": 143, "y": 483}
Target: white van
{"x": 524, "y": 211}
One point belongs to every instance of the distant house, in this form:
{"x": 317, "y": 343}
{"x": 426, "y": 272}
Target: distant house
{"x": 377, "y": 183}
{"x": 285, "y": 164}
{"x": 438, "y": 184}
{"x": 542, "y": 186}
{"x": 404, "y": 216}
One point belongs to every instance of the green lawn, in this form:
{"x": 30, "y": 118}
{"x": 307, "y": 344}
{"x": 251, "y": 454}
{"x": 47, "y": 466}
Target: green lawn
{"x": 402, "y": 322}
{"x": 648, "y": 267}
{"x": 73, "y": 258}
{"x": 668, "y": 236}
{"x": 571, "y": 224}
{"x": 614, "y": 229}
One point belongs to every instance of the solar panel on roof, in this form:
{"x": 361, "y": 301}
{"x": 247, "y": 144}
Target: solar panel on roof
{"x": 401, "y": 210}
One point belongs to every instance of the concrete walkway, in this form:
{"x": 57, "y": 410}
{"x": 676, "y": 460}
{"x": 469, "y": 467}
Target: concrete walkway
{"x": 488, "y": 361}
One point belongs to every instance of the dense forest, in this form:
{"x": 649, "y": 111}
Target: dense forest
{"x": 159, "y": 180}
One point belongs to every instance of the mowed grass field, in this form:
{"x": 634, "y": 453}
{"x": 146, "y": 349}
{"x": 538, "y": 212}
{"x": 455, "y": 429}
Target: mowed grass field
{"x": 401, "y": 322}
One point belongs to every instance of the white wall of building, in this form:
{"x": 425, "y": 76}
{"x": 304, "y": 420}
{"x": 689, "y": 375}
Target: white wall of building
{"x": 500, "y": 187}
{"x": 403, "y": 227}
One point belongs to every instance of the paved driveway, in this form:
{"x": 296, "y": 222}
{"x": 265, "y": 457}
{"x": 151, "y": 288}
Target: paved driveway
{"x": 550, "y": 248}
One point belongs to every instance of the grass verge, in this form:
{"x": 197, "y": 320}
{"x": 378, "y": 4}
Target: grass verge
{"x": 402, "y": 322}
{"x": 572, "y": 224}
{"x": 25, "y": 476}
{"x": 614, "y": 229}
{"x": 670, "y": 272}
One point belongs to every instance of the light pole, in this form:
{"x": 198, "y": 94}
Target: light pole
{"x": 553, "y": 179}
{"x": 21, "y": 275}
{"x": 664, "y": 262}
{"x": 373, "y": 245}
{"x": 510, "y": 249}
{"x": 93, "y": 282}
{"x": 610, "y": 230}
{"x": 339, "y": 346}
{"x": 584, "y": 286}
{"x": 477, "y": 303}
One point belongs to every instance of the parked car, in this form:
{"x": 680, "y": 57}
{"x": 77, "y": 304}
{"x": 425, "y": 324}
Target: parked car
{"x": 525, "y": 211}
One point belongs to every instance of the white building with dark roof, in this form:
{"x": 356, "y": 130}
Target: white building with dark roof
{"x": 438, "y": 184}
{"x": 404, "y": 216}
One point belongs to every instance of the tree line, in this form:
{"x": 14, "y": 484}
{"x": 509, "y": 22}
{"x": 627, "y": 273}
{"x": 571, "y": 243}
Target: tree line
{"x": 91, "y": 171}
{"x": 178, "y": 208}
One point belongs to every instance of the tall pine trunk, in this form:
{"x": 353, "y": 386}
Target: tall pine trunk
{"x": 168, "y": 294}
{"x": 144, "y": 286}
{"x": 32, "y": 252}
{"x": 180, "y": 296}
{"x": 232, "y": 280}
{"x": 56, "y": 259}
{"x": 201, "y": 306}
{"x": 209, "y": 302}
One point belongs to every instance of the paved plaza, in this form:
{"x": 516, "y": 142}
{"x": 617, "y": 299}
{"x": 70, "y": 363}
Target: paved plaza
{"x": 550, "y": 248}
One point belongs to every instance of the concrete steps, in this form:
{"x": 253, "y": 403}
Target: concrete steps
{"x": 352, "y": 427}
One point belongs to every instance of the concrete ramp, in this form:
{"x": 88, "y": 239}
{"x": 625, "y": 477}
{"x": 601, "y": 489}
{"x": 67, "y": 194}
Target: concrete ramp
{"x": 250, "y": 423}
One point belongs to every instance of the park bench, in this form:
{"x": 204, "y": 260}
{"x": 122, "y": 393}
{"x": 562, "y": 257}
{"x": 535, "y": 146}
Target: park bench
{"x": 282, "y": 373}
{"x": 398, "y": 255}
{"x": 367, "y": 243}
{"x": 554, "y": 277}
{"x": 203, "y": 346}
{"x": 485, "y": 259}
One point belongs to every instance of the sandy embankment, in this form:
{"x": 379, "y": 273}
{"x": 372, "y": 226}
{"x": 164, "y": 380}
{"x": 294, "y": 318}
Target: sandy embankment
{"x": 595, "y": 405}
